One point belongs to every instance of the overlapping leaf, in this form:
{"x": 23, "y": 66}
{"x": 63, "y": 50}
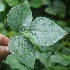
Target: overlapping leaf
{"x": 23, "y": 50}
{"x": 14, "y": 63}
{"x": 42, "y": 32}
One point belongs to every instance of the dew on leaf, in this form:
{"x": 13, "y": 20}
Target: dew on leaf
{"x": 12, "y": 52}
{"x": 23, "y": 50}
{"x": 19, "y": 16}
{"x": 45, "y": 32}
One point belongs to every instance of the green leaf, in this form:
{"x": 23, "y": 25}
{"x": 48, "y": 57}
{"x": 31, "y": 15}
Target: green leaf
{"x": 67, "y": 29}
{"x": 44, "y": 57}
{"x": 56, "y": 8}
{"x": 46, "y": 2}
{"x": 55, "y": 47}
{"x": 12, "y": 2}
{"x": 14, "y": 63}
{"x": 50, "y": 10}
{"x": 19, "y": 17}
{"x": 2, "y": 30}
{"x": 23, "y": 50}
{"x": 61, "y": 23}
{"x": 61, "y": 59}
{"x": 45, "y": 32}
{"x": 2, "y": 6}
{"x": 35, "y": 3}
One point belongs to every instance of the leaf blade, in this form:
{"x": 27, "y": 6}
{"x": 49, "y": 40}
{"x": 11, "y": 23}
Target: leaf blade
{"x": 45, "y": 32}
{"x": 19, "y": 17}
{"x": 23, "y": 50}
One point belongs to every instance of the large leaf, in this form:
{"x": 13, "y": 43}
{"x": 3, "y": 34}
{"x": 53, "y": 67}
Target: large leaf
{"x": 23, "y": 50}
{"x": 19, "y": 17}
{"x": 45, "y": 32}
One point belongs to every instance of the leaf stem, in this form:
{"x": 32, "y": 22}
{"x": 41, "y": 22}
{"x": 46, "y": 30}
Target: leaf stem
{"x": 27, "y": 35}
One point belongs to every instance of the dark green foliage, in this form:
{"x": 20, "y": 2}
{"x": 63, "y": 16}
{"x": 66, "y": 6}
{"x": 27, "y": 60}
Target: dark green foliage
{"x": 42, "y": 32}
{"x": 54, "y": 57}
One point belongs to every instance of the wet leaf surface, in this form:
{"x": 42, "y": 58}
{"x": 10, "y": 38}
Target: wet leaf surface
{"x": 23, "y": 50}
{"x": 19, "y": 17}
{"x": 45, "y": 32}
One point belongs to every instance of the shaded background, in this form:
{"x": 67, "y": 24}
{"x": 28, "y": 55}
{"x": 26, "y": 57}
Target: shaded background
{"x": 56, "y": 10}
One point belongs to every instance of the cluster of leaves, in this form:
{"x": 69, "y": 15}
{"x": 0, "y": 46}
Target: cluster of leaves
{"x": 55, "y": 57}
{"x": 34, "y": 38}
{"x": 55, "y": 9}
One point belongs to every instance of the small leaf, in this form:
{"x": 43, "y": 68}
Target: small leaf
{"x": 19, "y": 17}
{"x": 61, "y": 23}
{"x": 2, "y": 6}
{"x": 23, "y": 50}
{"x": 56, "y": 8}
{"x": 12, "y": 2}
{"x": 50, "y": 10}
{"x": 2, "y": 29}
{"x": 46, "y": 2}
{"x": 67, "y": 29}
{"x": 35, "y": 3}
{"x": 45, "y": 32}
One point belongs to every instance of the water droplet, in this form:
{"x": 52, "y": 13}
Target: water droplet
{"x": 12, "y": 52}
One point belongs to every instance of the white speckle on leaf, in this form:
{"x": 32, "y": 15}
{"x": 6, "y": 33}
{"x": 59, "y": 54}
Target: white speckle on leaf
{"x": 45, "y": 32}
{"x": 23, "y": 50}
